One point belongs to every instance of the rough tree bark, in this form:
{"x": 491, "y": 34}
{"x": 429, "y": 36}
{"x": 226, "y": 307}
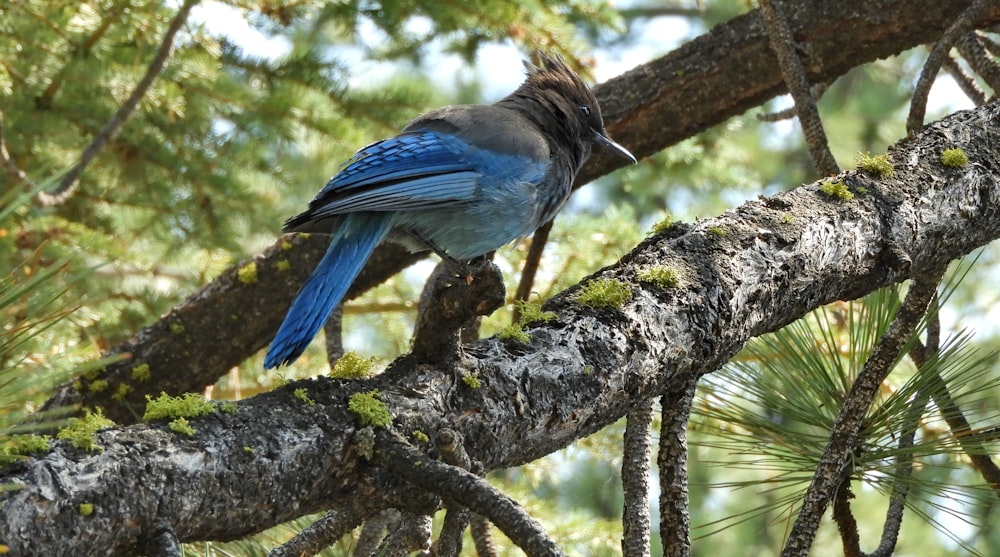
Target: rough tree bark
{"x": 721, "y": 74}
{"x": 279, "y": 457}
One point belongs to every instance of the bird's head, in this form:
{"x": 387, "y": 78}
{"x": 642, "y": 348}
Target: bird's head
{"x": 568, "y": 107}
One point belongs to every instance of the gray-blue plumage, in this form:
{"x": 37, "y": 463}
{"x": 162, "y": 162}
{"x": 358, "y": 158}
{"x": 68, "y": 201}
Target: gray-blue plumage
{"x": 461, "y": 180}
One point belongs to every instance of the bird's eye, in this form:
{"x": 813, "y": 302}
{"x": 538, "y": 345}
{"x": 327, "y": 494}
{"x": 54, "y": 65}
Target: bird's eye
{"x": 585, "y": 110}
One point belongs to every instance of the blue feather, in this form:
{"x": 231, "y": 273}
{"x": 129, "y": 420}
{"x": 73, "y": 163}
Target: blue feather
{"x": 349, "y": 250}
{"x": 465, "y": 179}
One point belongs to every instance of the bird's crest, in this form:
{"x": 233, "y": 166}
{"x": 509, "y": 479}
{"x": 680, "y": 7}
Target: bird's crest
{"x": 552, "y": 73}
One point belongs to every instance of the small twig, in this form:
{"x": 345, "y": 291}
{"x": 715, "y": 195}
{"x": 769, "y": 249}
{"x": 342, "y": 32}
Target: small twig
{"x": 69, "y": 182}
{"x": 333, "y": 332}
{"x": 531, "y": 263}
{"x": 904, "y": 459}
{"x": 816, "y": 91}
{"x": 847, "y": 525}
{"x": 953, "y": 415}
{"x": 373, "y": 532}
{"x": 675, "y": 516}
{"x": 635, "y": 480}
{"x": 449, "y": 540}
{"x": 972, "y": 49}
{"x": 783, "y": 45}
{"x": 397, "y": 456}
{"x": 992, "y": 46}
{"x": 412, "y": 534}
{"x": 849, "y": 422}
{"x": 482, "y": 536}
{"x": 903, "y": 476}
{"x": 965, "y": 82}
{"x": 324, "y": 532}
{"x": 449, "y": 444}
{"x": 918, "y": 104}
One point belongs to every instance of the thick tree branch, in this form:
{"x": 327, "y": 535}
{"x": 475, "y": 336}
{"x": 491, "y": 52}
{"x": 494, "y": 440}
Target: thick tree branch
{"x": 218, "y": 327}
{"x": 278, "y": 458}
{"x": 732, "y": 69}
{"x": 704, "y": 82}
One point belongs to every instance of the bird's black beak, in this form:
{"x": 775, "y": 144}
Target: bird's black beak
{"x": 608, "y": 145}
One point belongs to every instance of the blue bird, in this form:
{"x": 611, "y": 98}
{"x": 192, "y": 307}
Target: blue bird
{"x": 461, "y": 181}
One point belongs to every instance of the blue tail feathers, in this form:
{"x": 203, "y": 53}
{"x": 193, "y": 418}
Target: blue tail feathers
{"x": 352, "y": 243}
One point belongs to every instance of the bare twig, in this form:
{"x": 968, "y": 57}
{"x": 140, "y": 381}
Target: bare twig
{"x": 635, "y": 480}
{"x": 396, "y": 455}
{"x": 918, "y": 104}
{"x": 412, "y": 534}
{"x": 324, "y": 532}
{"x": 449, "y": 541}
{"x": 965, "y": 82}
{"x": 333, "y": 332}
{"x": 373, "y": 532}
{"x": 904, "y": 460}
{"x": 783, "y": 45}
{"x": 900, "y": 489}
{"x": 954, "y": 417}
{"x": 992, "y": 46}
{"x": 816, "y": 91}
{"x": 531, "y": 263}
{"x": 847, "y": 428}
{"x": 972, "y": 49}
{"x": 69, "y": 182}
{"x": 675, "y": 517}
{"x": 847, "y": 525}
{"x": 449, "y": 444}
{"x": 482, "y": 536}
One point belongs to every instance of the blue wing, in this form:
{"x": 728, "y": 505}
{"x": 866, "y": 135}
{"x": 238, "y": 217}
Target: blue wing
{"x": 414, "y": 170}
{"x": 409, "y": 171}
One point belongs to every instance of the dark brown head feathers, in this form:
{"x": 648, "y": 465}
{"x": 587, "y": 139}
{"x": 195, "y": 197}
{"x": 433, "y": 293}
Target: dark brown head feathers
{"x": 563, "y": 107}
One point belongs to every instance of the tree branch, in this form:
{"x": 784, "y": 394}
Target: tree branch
{"x": 68, "y": 183}
{"x": 647, "y": 109}
{"x": 324, "y": 532}
{"x": 278, "y": 458}
{"x": 965, "y": 82}
{"x": 798, "y": 84}
{"x": 635, "y": 480}
{"x": 952, "y": 413}
{"x": 971, "y": 46}
{"x": 832, "y": 468}
{"x": 473, "y": 492}
{"x": 961, "y": 25}
{"x": 675, "y": 517}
